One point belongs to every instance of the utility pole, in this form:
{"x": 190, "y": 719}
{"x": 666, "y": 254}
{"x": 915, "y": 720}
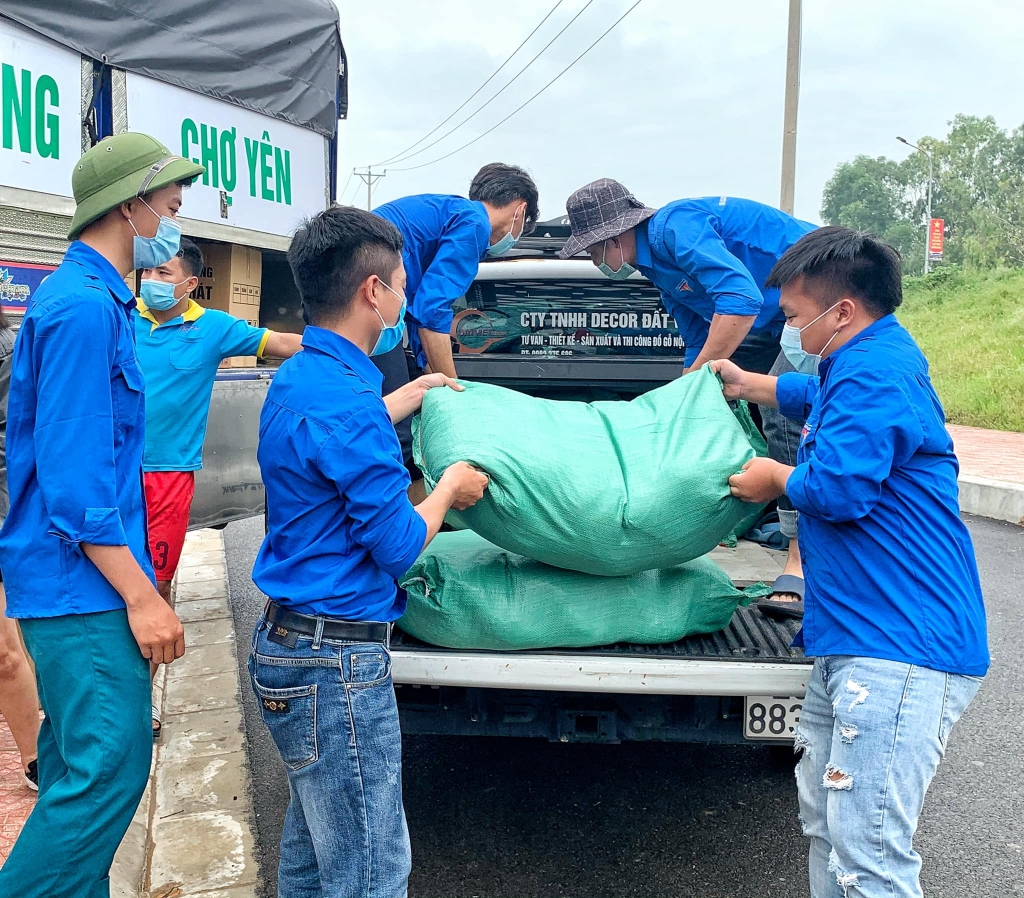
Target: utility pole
{"x": 792, "y": 102}
{"x": 931, "y": 176}
{"x": 369, "y": 177}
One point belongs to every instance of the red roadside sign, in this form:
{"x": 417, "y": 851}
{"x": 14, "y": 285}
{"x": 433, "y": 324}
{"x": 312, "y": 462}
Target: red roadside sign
{"x": 936, "y": 239}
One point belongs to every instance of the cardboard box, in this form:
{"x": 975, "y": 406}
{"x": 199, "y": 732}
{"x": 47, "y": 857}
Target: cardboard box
{"x": 230, "y": 282}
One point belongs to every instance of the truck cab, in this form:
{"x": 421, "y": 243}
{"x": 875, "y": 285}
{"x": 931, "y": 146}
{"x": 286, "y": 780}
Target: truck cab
{"x": 558, "y": 329}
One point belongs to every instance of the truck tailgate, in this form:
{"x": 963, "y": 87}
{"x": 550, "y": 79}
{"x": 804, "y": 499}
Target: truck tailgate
{"x": 751, "y": 656}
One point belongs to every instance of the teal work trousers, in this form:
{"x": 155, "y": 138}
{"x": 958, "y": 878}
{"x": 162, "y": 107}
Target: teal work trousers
{"x": 95, "y": 748}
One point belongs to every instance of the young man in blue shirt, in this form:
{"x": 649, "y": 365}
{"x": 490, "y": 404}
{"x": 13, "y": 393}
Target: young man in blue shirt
{"x": 446, "y": 238}
{"x": 894, "y": 614}
{"x": 709, "y": 259}
{"x": 341, "y": 531}
{"x": 73, "y": 548}
{"x": 180, "y": 346}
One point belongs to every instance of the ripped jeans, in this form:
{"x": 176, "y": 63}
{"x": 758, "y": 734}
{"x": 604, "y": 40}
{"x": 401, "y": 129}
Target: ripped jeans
{"x": 872, "y": 733}
{"x": 331, "y": 710}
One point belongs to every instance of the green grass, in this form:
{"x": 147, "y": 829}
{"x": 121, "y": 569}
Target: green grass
{"x": 970, "y": 325}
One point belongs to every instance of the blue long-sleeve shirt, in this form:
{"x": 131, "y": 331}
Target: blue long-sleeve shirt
{"x": 446, "y": 237}
{"x": 341, "y": 527}
{"x": 889, "y": 565}
{"x": 711, "y": 256}
{"x": 75, "y": 439}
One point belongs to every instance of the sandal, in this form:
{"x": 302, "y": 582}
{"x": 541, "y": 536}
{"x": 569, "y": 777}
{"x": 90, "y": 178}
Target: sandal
{"x": 788, "y": 584}
{"x": 158, "y": 725}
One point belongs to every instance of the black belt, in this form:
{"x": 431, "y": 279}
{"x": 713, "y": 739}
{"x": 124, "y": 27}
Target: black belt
{"x": 284, "y": 623}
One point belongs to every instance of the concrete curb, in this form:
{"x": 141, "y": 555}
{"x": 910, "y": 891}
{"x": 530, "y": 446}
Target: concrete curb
{"x": 995, "y": 499}
{"x": 192, "y": 834}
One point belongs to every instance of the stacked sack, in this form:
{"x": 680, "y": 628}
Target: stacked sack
{"x": 621, "y": 497}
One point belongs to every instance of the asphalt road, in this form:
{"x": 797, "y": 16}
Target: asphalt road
{"x": 503, "y": 818}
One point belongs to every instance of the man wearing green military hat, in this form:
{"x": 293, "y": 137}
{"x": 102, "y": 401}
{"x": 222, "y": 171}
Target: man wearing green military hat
{"x": 73, "y": 550}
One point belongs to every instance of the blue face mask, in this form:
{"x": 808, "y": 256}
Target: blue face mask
{"x": 391, "y": 336}
{"x": 159, "y": 295}
{"x": 150, "y": 252}
{"x": 793, "y": 347}
{"x": 623, "y": 271}
{"x": 508, "y": 241}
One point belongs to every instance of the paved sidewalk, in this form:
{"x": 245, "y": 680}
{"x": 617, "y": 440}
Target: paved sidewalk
{"x": 191, "y": 834}
{"x": 991, "y": 472}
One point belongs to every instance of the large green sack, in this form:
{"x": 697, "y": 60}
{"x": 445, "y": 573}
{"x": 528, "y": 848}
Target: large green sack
{"x": 465, "y": 593}
{"x": 610, "y": 488}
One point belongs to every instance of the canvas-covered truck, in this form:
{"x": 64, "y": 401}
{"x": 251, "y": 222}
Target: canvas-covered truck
{"x": 252, "y": 90}
{"x": 558, "y": 329}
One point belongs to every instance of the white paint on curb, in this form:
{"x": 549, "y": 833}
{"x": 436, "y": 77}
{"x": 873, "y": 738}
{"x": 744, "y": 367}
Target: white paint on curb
{"x": 996, "y": 499}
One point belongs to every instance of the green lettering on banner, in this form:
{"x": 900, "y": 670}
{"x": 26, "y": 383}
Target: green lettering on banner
{"x": 283, "y": 168}
{"x": 208, "y": 147}
{"x": 266, "y": 171}
{"x": 189, "y": 136}
{"x": 252, "y": 149}
{"x": 17, "y": 111}
{"x": 228, "y": 168}
{"x": 47, "y": 123}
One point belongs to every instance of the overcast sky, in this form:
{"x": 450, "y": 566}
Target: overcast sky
{"x": 682, "y": 99}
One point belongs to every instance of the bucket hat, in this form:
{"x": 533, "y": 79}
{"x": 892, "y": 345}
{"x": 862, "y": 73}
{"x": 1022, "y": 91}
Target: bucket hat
{"x": 600, "y": 210}
{"x": 120, "y": 168}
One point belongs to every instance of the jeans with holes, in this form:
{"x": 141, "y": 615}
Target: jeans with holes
{"x": 332, "y": 713}
{"x": 872, "y": 733}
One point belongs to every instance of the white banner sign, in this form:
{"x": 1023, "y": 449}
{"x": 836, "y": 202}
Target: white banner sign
{"x": 262, "y": 174}
{"x": 40, "y": 111}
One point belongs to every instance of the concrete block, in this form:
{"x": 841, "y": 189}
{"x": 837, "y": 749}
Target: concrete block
{"x": 210, "y": 632}
{"x": 202, "y": 733}
{"x": 186, "y": 695}
{"x": 204, "y": 851}
{"x": 216, "y": 571}
{"x": 202, "y": 610}
{"x": 187, "y": 785}
{"x": 202, "y": 555}
{"x": 202, "y": 660}
{"x": 995, "y": 499}
{"x": 203, "y": 589}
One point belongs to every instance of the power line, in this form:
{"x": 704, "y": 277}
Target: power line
{"x": 341, "y": 193}
{"x": 480, "y": 88}
{"x": 405, "y": 158}
{"x": 530, "y": 100}
{"x": 369, "y": 177}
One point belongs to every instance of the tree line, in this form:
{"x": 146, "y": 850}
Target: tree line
{"x": 977, "y": 188}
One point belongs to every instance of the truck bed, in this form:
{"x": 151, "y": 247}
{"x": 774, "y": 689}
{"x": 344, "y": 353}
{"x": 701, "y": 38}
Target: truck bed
{"x": 751, "y": 656}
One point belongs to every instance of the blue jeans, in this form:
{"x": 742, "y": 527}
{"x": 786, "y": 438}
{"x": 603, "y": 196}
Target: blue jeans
{"x": 872, "y": 733}
{"x": 331, "y": 710}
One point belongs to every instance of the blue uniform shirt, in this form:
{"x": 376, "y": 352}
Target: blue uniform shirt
{"x": 179, "y": 360}
{"x": 889, "y": 565}
{"x": 75, "y": 433}
{"x": 446, "y": 237}
{"x": 341, "y": 527}
{"x": 711, "y": 257}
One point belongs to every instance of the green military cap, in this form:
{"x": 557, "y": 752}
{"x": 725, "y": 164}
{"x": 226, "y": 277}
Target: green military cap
{"x": 120, "y": 168}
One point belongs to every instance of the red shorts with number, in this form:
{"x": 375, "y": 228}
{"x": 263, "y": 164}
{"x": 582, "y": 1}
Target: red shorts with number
{"x": 168, "y": 503}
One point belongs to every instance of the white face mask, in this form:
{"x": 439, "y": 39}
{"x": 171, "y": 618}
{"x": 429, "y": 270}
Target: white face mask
{"x": 792, "y": 346}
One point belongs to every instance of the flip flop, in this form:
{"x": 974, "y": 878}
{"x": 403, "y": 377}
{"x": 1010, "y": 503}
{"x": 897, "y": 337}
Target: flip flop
{"x": 792, "y": 585}
{"x": 158, "y": 729}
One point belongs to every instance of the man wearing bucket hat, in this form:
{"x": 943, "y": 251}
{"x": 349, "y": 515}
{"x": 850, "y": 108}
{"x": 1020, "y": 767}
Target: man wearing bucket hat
{"x": 74, "y": 551}
{"x": 709, "y": 258}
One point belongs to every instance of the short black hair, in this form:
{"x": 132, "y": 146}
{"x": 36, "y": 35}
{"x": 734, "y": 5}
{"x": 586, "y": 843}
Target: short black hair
{"x": 191, "y": 258}
{"x": 333, "y": 252}
{"x": 838, "y": 262}
{"x": 500, "y": 184}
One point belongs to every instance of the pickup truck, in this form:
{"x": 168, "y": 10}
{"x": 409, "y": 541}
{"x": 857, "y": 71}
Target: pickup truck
{"x": 558, "y": 329}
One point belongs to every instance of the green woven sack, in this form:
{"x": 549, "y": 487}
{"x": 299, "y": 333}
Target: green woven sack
{"x": 610, "y": 488}
{"x": 465, "y": 593}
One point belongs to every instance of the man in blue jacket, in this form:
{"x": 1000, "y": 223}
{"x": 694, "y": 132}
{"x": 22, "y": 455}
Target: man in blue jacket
{"x": 74, "y": 553}
{"x": 895, "y": 619}
{"x": 341, "y": 532}
{"x": 709, "y": 259}
{"x": 446, "y": 238}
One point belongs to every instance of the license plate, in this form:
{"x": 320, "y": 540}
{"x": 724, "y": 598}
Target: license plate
{"x": 771, "y": 716}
